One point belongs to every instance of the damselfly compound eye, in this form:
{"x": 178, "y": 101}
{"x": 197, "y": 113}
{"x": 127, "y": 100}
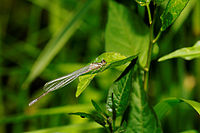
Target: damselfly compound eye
{"x": 103, "y": 62}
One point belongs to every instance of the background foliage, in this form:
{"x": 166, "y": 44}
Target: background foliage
{"x": 43, "y": 39}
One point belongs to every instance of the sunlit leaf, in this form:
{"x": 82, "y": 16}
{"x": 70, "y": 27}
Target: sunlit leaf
{"x": 126, "y": 33}
{"x": 55, "y": 44}
{"x": 195, "y": 105}
{"x": 142, "y": 118}
{"x": 112, "y": 59}
{"x": 84, "y": 81}
{"x": 164, "y": 106}
{"x": 188, "y": 53}
{"x": 172, "y": 11}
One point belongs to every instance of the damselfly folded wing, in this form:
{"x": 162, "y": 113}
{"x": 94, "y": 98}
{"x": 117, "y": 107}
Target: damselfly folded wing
{"x": 63, "y": 81}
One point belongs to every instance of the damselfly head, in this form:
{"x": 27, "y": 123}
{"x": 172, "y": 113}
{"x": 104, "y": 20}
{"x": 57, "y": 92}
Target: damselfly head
{"x": 103, "y": 62}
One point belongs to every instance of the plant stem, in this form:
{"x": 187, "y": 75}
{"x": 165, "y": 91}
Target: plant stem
{"x": 108, "y": 131}
{"x": 157, "y": 37}
{"x": 146, "y": 73}
{"x": 149, "y": 14}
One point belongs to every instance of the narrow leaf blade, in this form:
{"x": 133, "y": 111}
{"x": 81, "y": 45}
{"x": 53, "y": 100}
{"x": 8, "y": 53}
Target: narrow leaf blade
{"x": 166, "y": 105}
{"x": 56, "y": 44}
{"x": 96, "y": 117}
{"x": 81, "y": 114}
{"x": 188, "y": 53}
{"x": 195, "y": 105}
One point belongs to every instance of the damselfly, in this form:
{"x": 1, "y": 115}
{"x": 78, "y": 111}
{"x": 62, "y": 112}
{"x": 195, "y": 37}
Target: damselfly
{"x": 65, "y": 80}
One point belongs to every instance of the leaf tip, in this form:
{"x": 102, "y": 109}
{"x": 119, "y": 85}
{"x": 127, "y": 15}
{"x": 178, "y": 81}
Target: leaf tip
{"x": 160, "y": 59}
{"x": 77, "y": 94}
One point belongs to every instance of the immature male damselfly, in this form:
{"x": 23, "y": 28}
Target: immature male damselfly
{"x": 65, "y": 80}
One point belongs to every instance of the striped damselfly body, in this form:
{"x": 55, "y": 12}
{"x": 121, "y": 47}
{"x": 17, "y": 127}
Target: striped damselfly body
{"x": 65, "y": 80}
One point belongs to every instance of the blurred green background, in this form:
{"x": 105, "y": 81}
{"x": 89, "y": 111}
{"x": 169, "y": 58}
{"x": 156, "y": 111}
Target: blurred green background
{"x": 44, "y": 39}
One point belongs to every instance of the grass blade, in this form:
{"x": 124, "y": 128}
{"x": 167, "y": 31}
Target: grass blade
{"x": 56, "y": 44}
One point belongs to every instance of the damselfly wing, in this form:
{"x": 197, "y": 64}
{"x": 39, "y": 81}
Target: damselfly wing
{"x": 65, "y": 80}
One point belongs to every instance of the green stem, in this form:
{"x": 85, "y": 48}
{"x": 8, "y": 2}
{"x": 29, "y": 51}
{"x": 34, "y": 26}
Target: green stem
{"x": 149, "y": 14}
{"x": 146, "y": 73}
{"x": 157, "y": 37}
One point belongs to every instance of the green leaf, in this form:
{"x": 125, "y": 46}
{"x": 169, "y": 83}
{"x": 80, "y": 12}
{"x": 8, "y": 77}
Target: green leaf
{"x": 188, "y": 53}
{"x": 81, "y": 114}
{"x": 172, "y": 11}
{"x": 143, "y": 2}
{"x": 122, "y": 128}
{"x": 190, "y": 131}
{"x": 126, "y": 33}
{"x": 195, "y": 105}
{"x": 113, "y": 59}
{"x": 72, "y": 128}
{"x": 96, "y": 117}
{"x": 84, "y": 81}
{"x": 142, "y": 118}
{"x": 119, "y": 95}
{"x": 55, "y": 44}
{"x": 32, "y": 113}
{"x": 163, "y": 107}
{"x": 98, "y": 109}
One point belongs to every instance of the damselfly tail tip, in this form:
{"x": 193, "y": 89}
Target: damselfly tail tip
{"x": 32, "y": 102}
